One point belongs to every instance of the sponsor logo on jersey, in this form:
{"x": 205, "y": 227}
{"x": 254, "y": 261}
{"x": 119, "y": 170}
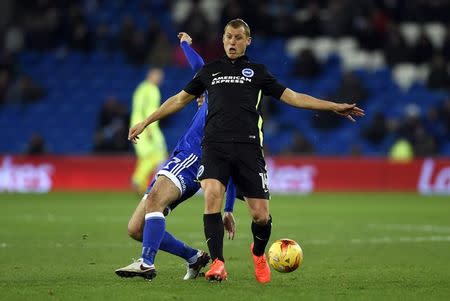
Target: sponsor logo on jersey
{"x": 217, "y": 73}
{"x": 230, "y": 80}
{"x": 182, "y": 182}
{"x": 247, "y": 72}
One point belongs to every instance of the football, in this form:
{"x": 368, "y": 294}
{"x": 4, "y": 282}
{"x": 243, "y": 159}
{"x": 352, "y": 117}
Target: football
{"x": 285, "y": 255}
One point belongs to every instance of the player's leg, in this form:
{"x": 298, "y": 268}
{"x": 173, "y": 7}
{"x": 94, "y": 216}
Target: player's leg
{"x": 250, "y": 177}
{"x": 154, "y": 227}
{"x": 214, "y": 177}
{"x": 136, "y": 222}
{"x": 174, "y": 184}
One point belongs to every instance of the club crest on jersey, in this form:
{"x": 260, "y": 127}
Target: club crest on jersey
{"x": 247, "y": 72}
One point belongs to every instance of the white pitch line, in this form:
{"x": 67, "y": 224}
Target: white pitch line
{"x": 382, "y": 240}
{"x": 360, "y": 241}
{"x": 411, "y": 228}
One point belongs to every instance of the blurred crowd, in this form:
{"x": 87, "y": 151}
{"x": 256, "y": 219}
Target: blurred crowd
{"x": 45, "y": 25}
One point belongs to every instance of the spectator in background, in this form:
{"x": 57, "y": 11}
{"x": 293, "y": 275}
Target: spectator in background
{"x": 308, "y": 20}
{"x": 350, "y": 89}
{"x": 212, "y": 48}
{"x": 25, "y": 90}
{"x": 4, "y": 84}
{"x": 196, "y": 22}
{"x": 423, "y": 49}
{"x": 396, "y": 50}
{"x": 439, "y": 77}
{"x": 112, "y": 126}
{"x": 42, "y": 24}
{"x": 435, "y": 125}
{"x": 14, "y": 40}
{"x": 36, "y": 146}
{"x": 137, "y": 51}
{"x": 126, "y": 33}
{"x": 161, "y": 51}
{"x": 299, "y": 146}
{"x": 151, "y": 150}
{"x": 445, "y": 116}
{"x": 401, "y": 151}
{"x": 423, "y": 144}
{"x": 446, "y": 44}
{"x": 80, "y": 38}
{"x": 104, "y": 39}
{"x": 411, "y": 121}
{"x": 232, "y": 9}
{"x": 306, "y": 65}
{"x": 377, "y": 130}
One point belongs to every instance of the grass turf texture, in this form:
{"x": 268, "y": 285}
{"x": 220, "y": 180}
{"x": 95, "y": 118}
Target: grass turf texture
{"x": 66, "y": 246}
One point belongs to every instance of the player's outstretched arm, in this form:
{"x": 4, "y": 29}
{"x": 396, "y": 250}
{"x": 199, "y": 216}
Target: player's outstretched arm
{"x": 305, "y": 101}
{"x": 169, "y": 107}
{"x": 194, "y": 59}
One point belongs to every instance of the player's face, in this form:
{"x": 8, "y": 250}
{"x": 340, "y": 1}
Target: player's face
{"x": 235, "y": 42}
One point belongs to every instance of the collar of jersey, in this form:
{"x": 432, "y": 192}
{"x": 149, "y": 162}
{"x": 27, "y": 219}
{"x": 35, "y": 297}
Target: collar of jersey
{"x": 241, "y": 59}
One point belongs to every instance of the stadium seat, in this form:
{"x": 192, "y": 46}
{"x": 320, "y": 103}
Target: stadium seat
{"x": 405, "y": 75}
{"x": 410, "y": 32}
{"x": 295, "y": 45}
{"x": 436, "y": 33}
{"x": 323, "y": 47}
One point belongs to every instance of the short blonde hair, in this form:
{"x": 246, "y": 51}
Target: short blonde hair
{"x": 236, "y": 23}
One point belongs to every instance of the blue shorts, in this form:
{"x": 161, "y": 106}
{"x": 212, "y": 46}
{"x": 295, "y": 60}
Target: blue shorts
{"x": 181, "y": 168}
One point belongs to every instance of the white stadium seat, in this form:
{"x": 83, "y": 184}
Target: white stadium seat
{"x": 346, "y": 44}
{"x": 323, "y": 47}
{"x": 405, "y": 75}
{"x": 436, "y": 33}
{"x": 296, "y": 44}
{"x": 410, "y": 32}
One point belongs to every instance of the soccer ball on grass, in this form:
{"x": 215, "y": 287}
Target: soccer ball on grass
{"x": 285, "y": 255}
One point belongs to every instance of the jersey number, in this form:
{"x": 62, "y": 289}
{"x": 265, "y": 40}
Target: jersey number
{"x": 264, "y": 181}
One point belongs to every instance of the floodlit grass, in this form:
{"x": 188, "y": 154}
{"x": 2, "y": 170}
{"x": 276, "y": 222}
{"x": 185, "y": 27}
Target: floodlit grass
{"x": 66, "y": 246}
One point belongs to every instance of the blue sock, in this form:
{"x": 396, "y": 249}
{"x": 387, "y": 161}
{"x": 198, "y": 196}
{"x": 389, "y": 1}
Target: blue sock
{"x": 176, "y": 247}
{"x": 154, "y": 229}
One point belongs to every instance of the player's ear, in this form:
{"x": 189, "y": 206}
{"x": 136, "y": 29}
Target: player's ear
{"x": 249, "y": 40}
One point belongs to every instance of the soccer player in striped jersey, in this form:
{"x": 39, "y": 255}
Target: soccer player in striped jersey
{"x": 174, "y": 183}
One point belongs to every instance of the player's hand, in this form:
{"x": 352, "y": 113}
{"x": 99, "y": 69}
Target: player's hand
{"x": 133, "y": 133}
{"x": 200, "y": 100}
{"x": 229, "y": 224}
{"x": 184, "y": 37}
{"x": 349, "y": 110}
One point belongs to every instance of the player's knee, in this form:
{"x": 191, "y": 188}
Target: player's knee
{"x": 213, "y": 201}
{"x": 155, "y": 201}
{"x": 134, "y": 232}
{"x": 260, "y": 218}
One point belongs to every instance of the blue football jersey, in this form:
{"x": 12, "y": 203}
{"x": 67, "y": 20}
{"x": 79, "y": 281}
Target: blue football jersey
{"x": 192, "y": 139}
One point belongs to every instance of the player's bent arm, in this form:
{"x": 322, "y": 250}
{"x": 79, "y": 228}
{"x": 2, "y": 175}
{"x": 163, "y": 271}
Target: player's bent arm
{"x": 170, "y": 106}
{"x": 194, "y": 59}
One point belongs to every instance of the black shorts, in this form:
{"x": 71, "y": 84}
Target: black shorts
{"x": 243, "y": 162}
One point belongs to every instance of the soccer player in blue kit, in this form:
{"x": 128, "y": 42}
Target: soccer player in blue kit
{"x": 174, "y": 183}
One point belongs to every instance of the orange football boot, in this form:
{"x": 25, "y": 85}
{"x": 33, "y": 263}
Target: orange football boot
{"x": 262, "y": 270}
{"x": 217, "y": 271}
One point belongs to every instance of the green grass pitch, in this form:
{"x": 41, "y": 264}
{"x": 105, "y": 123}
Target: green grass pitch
{"x": 371, "y": 246}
